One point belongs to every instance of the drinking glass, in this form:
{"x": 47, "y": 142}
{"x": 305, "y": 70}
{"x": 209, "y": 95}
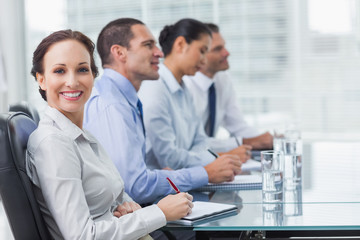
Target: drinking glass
{"x": 272, "y": 176}
{"x": 293, "y": 201}
{"x": 279, "y": 136}
{"x": 273, "y": 214}
{"x": 292, "y": 163}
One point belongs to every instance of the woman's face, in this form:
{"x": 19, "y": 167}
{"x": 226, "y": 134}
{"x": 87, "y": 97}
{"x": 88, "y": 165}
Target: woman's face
{"x": 195, "y": 54}
{"x": 67, "y": 77}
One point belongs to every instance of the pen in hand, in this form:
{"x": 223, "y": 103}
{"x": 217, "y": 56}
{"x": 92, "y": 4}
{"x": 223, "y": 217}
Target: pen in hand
{"x": 213, "y": 153}
{"x": 173, "y": 185}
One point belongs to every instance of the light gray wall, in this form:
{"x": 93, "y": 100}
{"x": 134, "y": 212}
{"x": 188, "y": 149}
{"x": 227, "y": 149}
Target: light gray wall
{"x": 12, "y": 47}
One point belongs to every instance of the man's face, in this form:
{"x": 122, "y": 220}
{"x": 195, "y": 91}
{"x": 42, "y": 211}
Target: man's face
{"x": 217, "y": 56}
{"x": 143, "y": 55}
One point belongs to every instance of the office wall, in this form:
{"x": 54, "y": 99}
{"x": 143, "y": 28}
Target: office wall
{"x": 284, "y": 66}
{"x": 12, "y": 48}
{"x": 291, "y": 60}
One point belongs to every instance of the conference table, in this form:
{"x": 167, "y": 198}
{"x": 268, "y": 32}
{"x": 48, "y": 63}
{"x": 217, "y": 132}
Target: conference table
{"x": 326, "y": 203}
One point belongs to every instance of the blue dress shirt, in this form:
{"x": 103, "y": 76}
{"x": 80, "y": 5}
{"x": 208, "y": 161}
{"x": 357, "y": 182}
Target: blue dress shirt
{"x": 175, "y": 134}
{"x": 111, "y": 115}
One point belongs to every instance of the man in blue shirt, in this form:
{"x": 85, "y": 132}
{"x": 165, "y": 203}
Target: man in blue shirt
{"x": 114, "y": 115}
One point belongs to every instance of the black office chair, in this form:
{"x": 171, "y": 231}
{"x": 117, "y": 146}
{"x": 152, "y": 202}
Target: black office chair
{"x": 27, "y": 108}
{"x": 21, "y": 207}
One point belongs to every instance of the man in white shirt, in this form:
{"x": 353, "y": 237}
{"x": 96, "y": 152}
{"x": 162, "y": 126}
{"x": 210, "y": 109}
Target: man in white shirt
{"x": 215, "y": 100}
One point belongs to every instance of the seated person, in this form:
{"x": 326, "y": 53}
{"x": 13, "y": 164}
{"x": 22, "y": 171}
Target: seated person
{"x": 175, "y": 134}
{"x": 129, "y": 55}
{"x": 80, "y": 193}
{"x": 211, "y": 82}
{"x": 113, "y": 114}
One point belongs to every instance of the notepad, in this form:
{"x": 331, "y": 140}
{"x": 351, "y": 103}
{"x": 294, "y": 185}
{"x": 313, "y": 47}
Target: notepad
{"x": 251, "y": 165}
{"x": 207, "y": 211}
{"x": 241, "y": 182}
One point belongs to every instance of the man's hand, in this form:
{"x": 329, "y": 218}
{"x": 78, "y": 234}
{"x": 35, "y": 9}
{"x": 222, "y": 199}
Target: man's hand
{"x": 125, "y": 208}
{"x": 224, "y": 168}
{"x": 243, "y": 152}
{"x": 263, "y": 141}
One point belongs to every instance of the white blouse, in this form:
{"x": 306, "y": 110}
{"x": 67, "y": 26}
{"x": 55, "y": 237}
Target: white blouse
{"x": 78, "y": 187}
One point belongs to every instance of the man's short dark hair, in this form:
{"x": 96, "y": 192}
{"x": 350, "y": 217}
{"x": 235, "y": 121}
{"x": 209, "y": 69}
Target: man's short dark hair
{"x": 116, "y": 32}
{"x": 213, "y": 27}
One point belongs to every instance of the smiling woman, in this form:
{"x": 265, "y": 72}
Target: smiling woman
{"x": 64, "y": 67}
{"x": 79, "y": 189}
{"x": 67, "y": 79}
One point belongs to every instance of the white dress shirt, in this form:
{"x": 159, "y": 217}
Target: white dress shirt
{"x": 175, "y": 134}
{"x": 228, "y": 112}
{"x": 78, "y": 187}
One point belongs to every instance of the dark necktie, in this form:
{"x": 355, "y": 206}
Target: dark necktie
{"x": 140, "y": 109}
{"x": 212, "y": 111}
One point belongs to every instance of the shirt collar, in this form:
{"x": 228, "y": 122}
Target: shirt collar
{"x": 66, "y": 125}
{"x": 169, "y": 79}
{"x": 203, "y": 81}
{"x": 123, "y": 85}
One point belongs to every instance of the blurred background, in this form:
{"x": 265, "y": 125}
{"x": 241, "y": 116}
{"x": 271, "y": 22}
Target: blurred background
{"x": 292, "y": 61}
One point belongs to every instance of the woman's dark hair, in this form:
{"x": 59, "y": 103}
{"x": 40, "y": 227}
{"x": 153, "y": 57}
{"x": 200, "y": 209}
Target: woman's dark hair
{"x": 46, "y": 43}
{"x": 115, "y": 32}
{"x": 190, "y": 29}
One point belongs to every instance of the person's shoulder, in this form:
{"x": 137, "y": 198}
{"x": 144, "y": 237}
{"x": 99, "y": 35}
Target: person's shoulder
{"x": 188, "y": 78}
{"x": 46, "y": 134}
{"x": 222, "y": 76}
{"x": 224, "y": 82}
{"x": 106, "y": 92}
{"x": 152, "y": 89}
{"x": 104, "y": 96}
{"x": 189, "y": 81}
{"x": 151, "y": 85}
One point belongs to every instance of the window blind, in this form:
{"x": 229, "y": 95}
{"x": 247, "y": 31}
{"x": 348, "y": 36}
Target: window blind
{"x": 285, "y": 64}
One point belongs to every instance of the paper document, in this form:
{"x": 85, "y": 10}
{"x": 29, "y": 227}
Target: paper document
{"x": 251, "y": 165}
{"x": 241, "y": 182}
{"x": 206, "y": 211}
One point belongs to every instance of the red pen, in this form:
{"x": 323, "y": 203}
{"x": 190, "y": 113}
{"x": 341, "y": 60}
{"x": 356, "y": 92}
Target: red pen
{"x": 173, "y": 185}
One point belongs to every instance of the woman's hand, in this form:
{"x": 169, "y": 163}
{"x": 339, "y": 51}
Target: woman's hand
{"x": 176, "y": 206}
{"x": 125, "y": 208}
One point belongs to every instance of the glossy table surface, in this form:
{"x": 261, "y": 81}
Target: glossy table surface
{"x": 327, "y": 199}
